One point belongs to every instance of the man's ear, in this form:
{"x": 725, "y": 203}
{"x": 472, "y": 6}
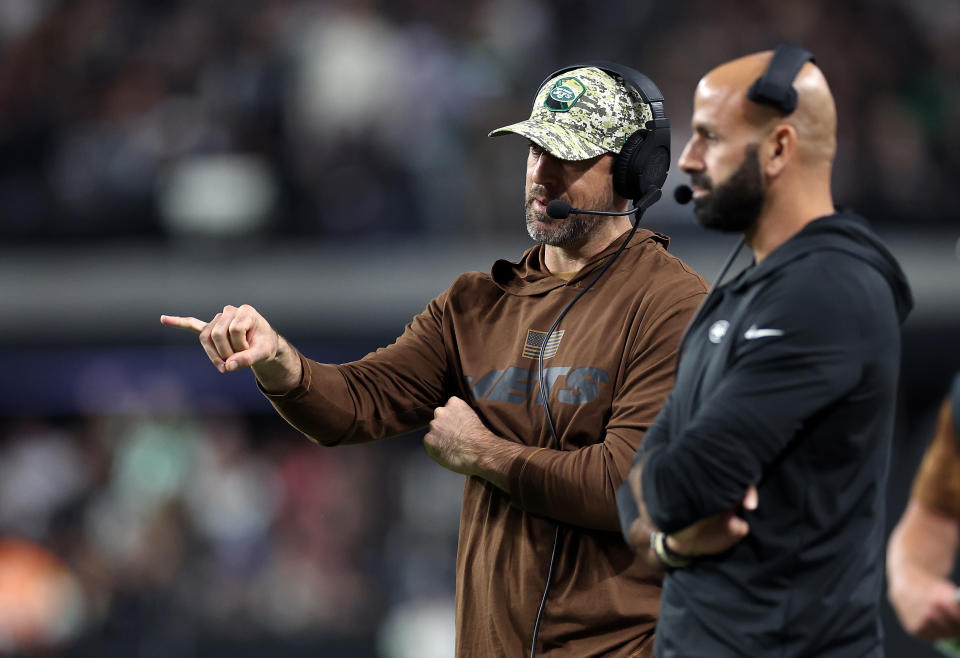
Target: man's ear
{"x": 778, "y": 149}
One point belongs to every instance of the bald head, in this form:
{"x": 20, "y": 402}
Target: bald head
{"x": 814, "y": 120}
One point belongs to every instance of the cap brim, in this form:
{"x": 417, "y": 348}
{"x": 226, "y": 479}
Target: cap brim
{"x": 558, "y": 140}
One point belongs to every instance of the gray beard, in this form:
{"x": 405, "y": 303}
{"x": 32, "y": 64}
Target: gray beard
{"x": 570, "y": 232}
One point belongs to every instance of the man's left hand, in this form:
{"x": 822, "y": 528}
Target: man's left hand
{"x": 714, "y": 534}
{"x": 456, "y": 437}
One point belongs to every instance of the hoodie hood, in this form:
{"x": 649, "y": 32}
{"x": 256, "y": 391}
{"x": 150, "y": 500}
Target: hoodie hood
{"x": 530, "y": 276}
{"x": 845, "y": 232}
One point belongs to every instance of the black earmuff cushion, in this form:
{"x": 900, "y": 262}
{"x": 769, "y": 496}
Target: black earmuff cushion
{"x": 643, "y": 162}
{"x": 656, "y": 160}
{"x": 626, "y": 174}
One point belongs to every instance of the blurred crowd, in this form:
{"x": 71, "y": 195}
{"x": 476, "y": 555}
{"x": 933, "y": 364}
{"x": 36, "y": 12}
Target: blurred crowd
{"x": 340, "y": 118}
{"x": 184, "y": 536}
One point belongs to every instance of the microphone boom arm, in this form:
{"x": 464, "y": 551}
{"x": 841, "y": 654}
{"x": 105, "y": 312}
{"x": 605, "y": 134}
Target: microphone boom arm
{"x": 558, "y": 209}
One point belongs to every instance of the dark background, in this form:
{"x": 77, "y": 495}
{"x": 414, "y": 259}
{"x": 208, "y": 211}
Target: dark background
{"x": 328, "y": 163}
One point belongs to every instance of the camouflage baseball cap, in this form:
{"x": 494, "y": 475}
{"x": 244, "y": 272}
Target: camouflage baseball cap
{"x": 581, "y": 114}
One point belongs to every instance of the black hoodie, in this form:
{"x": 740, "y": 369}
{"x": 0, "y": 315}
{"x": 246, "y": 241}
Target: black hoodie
{"x": 787, "y": 381}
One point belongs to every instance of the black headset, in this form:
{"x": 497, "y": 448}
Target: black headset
{"x": 644, "y": 160}
{"x": 775, "y": 86}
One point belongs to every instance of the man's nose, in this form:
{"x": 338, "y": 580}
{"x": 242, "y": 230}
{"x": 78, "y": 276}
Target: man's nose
{"x": 690, "y": 160}
{"x": 546, "y": 168}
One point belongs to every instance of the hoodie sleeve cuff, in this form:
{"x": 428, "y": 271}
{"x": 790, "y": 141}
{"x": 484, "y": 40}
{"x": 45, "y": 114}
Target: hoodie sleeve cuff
{"x": 298, "y": 391}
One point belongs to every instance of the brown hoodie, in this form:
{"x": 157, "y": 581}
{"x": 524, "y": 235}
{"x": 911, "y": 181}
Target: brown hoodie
{"x": 609, "y": 365}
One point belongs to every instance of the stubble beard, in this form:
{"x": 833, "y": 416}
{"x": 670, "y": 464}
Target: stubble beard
{"x": 571, "y": 232}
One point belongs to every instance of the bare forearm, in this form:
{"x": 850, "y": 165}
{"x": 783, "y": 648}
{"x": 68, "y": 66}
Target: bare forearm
{"x": 639, "y": 539}
{"x": 281, "y": 374}
{"x": 635, "y": 523}
{"x": 919, "y": 560}
{"x": 924, "y": 541}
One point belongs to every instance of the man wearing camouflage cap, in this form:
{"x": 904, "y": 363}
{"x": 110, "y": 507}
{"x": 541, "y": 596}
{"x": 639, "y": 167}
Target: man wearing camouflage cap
{"x": 539, "y": 517}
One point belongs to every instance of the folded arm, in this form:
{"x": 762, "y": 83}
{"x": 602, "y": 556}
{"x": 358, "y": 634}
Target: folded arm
{"x": 774, "y": 384}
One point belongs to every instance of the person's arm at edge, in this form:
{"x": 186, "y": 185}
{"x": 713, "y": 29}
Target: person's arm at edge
{"x": 924, "y": 543}
{"x": 920, "y": 558}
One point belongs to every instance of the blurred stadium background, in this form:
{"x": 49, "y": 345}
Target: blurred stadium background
{"x": 327, "y": 162}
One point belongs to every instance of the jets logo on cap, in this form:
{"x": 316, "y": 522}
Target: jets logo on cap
{"x": 564, "y": 95}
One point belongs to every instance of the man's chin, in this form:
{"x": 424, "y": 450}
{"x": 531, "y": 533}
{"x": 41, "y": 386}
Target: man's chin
{"x": 711, "y": 221}
{"x": 707, "y": 219}
{"x": 538, "y": 228}
{"x": 703, "y": 213}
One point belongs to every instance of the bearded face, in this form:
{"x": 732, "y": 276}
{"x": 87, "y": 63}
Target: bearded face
{"x": 734, "y": 205}
{"x": 572, "y": 231}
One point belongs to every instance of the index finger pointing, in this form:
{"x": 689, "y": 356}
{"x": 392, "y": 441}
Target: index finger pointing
{"x": 190, "y": 324}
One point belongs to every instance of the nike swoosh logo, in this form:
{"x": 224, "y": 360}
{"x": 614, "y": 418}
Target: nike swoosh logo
{"x": 753, "y": 332}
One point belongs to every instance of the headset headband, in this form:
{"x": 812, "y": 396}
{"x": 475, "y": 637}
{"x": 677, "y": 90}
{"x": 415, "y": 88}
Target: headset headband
{"x": 775, "y": 86}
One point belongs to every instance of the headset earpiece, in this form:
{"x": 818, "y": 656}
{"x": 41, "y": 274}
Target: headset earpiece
{"x": 625, "y": 181}
{"x": 775, "y": 87}
{"x": 643, "y": 163}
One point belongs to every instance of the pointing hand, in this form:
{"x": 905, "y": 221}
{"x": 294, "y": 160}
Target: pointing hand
{"x": 239, "y": 337}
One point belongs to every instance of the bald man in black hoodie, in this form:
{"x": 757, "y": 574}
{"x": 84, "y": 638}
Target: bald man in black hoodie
{"x": 761, "y": 484}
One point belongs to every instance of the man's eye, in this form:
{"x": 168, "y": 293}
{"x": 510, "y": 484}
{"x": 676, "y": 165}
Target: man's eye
{"x": 707, "y": 135}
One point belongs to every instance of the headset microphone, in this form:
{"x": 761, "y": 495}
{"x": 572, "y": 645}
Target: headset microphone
{"x": 558, "y": 209}
{"x": 682, "y": 194}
